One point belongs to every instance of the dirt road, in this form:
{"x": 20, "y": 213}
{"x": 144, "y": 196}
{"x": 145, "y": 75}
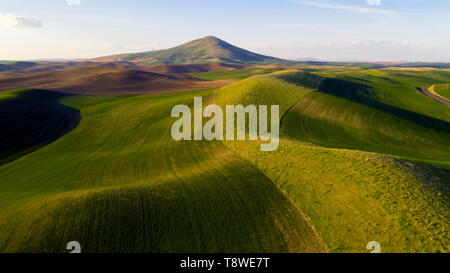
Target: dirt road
{"x": 433, "y": 96}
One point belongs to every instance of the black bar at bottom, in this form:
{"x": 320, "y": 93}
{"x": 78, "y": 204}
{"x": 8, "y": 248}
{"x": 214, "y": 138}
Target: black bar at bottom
{"x": 225, "y": 262}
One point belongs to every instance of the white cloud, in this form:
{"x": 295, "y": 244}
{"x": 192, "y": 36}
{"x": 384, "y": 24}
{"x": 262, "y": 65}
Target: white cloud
{"x": 374, "y": 2}
{"x": 354, "y": 9}
{"x": 73, "y": 2}
{"x": 11, "y": 20}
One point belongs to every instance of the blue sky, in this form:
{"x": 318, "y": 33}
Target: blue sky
{"x": 366, "y": 30}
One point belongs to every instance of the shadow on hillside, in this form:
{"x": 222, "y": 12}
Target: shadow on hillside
{"x": 365, "y": 95}
{"x": 31, "y": 120}
{"x": 302, "y": 78}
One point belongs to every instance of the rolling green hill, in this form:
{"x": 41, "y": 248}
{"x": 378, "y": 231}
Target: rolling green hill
{"x": 443, "y": 90}
{"x": 350, "y": 197}
{"x": 380, "y": 113}
{"x": 206, "y": 50}
{"x": 32, "y": 119}
{"x": 119, "y": 183}
{"x": 363, "y": 157}
{"x": 233, "y": 74}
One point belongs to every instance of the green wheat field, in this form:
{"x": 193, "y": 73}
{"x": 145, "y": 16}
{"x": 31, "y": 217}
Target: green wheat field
{"x": 363, "y": 157}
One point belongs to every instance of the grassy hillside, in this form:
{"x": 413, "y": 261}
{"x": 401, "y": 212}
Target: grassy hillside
{"x": 350, "y": 197}
{"x": 206, "y": 50}
{"x": 238, "y": 74}
{"x": 443, "y": 90}
{"x": 353, "y": 197}
{"x": 119, "y": 183}
{"x": 30, "y": 119}
{"x": 380, "y": 113}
